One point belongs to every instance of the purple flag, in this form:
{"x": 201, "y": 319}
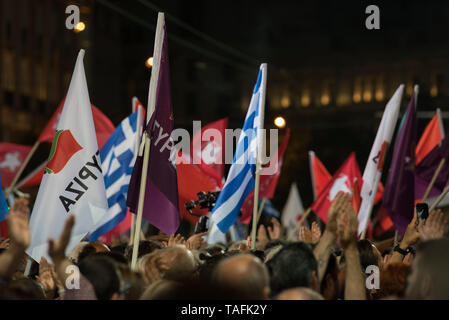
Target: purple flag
{"x": 161, "y": 193}
{"x": 427, "y": 167}
{"x": 399, "y": 192}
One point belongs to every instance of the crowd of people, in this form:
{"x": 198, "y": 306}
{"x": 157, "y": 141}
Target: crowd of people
{"x": 328, "y": 264}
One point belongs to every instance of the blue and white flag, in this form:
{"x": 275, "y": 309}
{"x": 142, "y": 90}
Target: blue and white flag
{"x": 118, "y": 156}
{"x": 242, "y": 174}
{"x": 4, "y": 209}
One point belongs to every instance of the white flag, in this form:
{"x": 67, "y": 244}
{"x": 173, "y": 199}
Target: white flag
{"x": 73, "y": 182}
{"x": 293, "y": 209}
{"x": 374, "y": 165}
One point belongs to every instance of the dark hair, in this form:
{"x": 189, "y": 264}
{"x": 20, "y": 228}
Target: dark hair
{"x": 292, "y": 267}
{"x": 275, "y": 243}
{"x": 116, "y": 256}
{"x": 121, "y": 248}
{"x": 87, "y": 250}
{"x": 145, "y": 247}
{"x": 367, "y": 255}
{"x": 26, "y": 288}
{"x": 102, "y": 274}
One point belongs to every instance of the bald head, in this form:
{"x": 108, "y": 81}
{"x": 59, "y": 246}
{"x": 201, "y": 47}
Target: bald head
{"x": 172, "y": 263}
{"x": 299, "y": 294}
{"x": 245, "y": 274}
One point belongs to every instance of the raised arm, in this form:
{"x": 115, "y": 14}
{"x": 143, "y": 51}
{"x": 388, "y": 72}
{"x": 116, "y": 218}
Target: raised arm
{"x": 19, "y": 235}
{"x": 324, "y": 247}
{"x": 347, "y": 231}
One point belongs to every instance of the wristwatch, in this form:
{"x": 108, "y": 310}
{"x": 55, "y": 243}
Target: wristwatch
{"x": 402, "y": 251}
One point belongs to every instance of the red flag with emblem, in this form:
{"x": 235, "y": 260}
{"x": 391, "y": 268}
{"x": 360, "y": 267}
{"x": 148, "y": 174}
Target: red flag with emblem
{"x": 11, "y": 158}
{"x": 343, "y": 180}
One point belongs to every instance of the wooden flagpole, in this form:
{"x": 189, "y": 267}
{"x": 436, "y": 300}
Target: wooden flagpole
{"x": 24, "y": 164}
{"x": 256, "y": 200}
{"x": 143, "y": 183}
{"x": 434, "y": 178}
{"x": 440, "y": 197}
{"x": 300, "y": 222}
{"x": 147, "y": 141}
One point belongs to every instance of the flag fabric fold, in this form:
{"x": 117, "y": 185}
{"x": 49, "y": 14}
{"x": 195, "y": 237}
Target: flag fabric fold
{"x": 292, "y": 210}
{"x": 73, "y": 182}
{"x": 161, "y": 202}
{"x": 399, "y": 192}
{"x": 431, "y": 137}
{"x": 118, "y": 156}
{"x": 375, "y": 162}
{"x": 343, "y": 180}
{"x": 319, "y": 174}
{"x": 268, "y": 182}
{"x": 241, "y": 178}
{"x": 11, "y": 158}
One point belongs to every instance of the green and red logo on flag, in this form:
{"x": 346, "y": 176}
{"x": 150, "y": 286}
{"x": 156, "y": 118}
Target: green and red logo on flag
{"x": 63, "y": 148}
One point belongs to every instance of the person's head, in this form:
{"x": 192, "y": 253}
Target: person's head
{"x": 161, "y": 290}
{"x": 131, "y": 283}
{"x": 428, "y": 276}
{"x": 25, "y": 289}
{"x": 171, "y": 263}
{"x": 90, "y": 249}
{"x": 102, "y": 273}
{"x": 392, "y": 280}
{"x": 145, "y": 247}
{"x": 299, "y": 294}
{"x": 244, "y": 273}
{"x": 369, "y": 254}
{"x": 293, "y": 266}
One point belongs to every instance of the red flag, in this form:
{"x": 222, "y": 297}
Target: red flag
{"x": 207, "y": 174}
{"x": 344, "y": 180}
{"x": 11, "y": 158}
{"x": 267, "y": 185}
{"x": 318, "y": 172}
{"x": 431, "y": 137}
{"x": 103, "y": 126}
{"x": 207, "y": 153}
{"x": 321, "y": 177}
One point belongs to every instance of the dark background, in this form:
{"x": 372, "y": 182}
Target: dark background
{"x": 328, "y": 75}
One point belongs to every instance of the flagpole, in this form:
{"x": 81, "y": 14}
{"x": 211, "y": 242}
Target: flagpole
{"x": 256, "y": 200}
{"x": 158, "y": 41}
{"x": 434, "y": 178}
{"x": 143, "y": 183}
{"x": 139, "y": 131}
{"x": 440, "y": 197}
{"x": 24, "y": 164}
{"x": 301, "y": 222}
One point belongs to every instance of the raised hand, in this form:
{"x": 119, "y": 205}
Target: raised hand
{"x": 434, "y": 227}
{"x": 174, "y": 240}
{"x": 46, "y": 278}
{"x": 18, "y": 224}
{"x": 411, "y": 235}
{"x": 337, "y": 205}
{"x": 56, "y": 249}
{"x": 275, "y": 231}
{"x": 262, "y": 237}
{"x": 347, "y": 224}
{"x": 305, "y": 235}
{"x": 196, "y": 241}
{"x": 316, "y": 233}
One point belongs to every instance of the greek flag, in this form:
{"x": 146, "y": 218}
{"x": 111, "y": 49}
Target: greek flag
{"x": 241, "y": 177}
{"x": 118, "y": 156}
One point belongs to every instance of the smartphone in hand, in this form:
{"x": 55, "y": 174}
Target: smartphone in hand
{"x": 422, "y": 210}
